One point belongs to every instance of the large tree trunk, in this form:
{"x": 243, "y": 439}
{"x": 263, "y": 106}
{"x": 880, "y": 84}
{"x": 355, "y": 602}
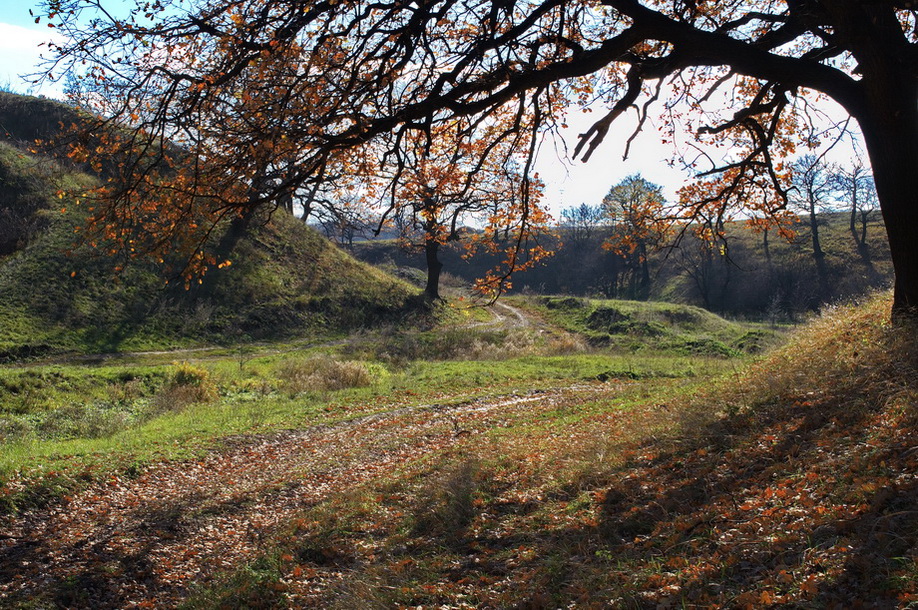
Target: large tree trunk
{"x": 891, "y": 135}
{"x": 434, "y": 267}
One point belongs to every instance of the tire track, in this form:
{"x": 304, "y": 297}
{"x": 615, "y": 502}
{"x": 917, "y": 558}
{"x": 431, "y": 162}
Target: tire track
{"x": 142, "y": 542}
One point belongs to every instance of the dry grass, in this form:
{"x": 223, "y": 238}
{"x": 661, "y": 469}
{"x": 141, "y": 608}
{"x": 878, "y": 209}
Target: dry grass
{"x": 322, "y": 374}
{"x": 851, "y": 351}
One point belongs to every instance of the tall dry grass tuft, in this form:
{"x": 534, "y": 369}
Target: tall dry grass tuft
{"x": 446, "y": 507}
{"x": 187, "y": 385}
{"x": 851, "y": 351}
{"x": 322, "y": 374}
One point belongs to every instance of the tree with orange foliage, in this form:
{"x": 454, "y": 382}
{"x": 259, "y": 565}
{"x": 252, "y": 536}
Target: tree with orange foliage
{"x": 444, "y": 188}
{"x": 328, "y": 76}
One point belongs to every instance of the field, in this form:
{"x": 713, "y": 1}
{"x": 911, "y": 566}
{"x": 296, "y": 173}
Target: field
{"x": 524, "y": 465}
{"x": 246, "y": 422}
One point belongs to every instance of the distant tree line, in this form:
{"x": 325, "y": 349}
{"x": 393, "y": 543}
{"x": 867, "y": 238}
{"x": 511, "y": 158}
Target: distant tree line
{"x": 618, "y": 248}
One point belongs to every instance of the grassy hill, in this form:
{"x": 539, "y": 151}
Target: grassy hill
{"x": 518, "y": 478}
{"x": 635, "y": 326}
{"x": 286, "y": 281}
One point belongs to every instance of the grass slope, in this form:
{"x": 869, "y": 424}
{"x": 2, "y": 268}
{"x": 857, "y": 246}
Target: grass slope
{"x": 286, "y": 281}
{"x": 636, "y": 326}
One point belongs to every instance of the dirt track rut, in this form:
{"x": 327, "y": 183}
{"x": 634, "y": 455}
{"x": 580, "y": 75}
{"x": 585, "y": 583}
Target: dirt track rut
{"x": 140, "y": 542}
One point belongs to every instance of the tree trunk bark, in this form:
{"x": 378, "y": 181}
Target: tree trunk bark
{"x": 645, "y": 273}
{"x": 434, "y": 267}
{"x": 852, "y": 226}
{"x": 767, "y": 249}
{"x": 891, "y": 136}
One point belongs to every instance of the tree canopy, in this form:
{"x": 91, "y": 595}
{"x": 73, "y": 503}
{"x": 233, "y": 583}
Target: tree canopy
{"x": 277, "y": 95}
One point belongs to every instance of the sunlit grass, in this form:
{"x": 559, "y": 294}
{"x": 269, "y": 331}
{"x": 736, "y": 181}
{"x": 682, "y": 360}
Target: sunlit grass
{"x": 152, "y": 421}
{"x": 788, "y": 482}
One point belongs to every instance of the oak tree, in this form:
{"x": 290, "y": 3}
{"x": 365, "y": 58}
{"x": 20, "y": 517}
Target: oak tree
{"x": 633, "y": 207}
{"x": 290, "y": 86}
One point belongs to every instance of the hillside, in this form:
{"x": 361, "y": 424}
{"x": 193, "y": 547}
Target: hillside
{"x": 286, "y": 280}
{"x": 635, "y": 326}
{"x": 25, "y": 119}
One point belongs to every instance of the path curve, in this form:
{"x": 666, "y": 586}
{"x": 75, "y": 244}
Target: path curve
{"x": 141, "y": 542}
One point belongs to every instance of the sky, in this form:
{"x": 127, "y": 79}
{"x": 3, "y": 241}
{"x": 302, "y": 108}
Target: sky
{"x": 20, "y": 52}
{"x": 568, "y": 183}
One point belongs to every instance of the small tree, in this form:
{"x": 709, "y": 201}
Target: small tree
{"x": 856, "y": 188}
{"x": 442, "y": 183}
{"x": 581, "y": 222}
{"x": 812, "y": 192}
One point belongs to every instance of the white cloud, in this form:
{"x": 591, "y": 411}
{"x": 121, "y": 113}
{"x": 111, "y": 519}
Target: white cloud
{"x": 16, "y": 37}
{"x": 20, "y": 53}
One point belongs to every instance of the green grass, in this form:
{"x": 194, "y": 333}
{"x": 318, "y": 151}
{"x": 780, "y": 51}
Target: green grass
{"x": 285, "y": 282}
{"x": 266, "y": 294}
{"x": 636, "y": 326}
{"x": 76, "y": 422}
{"x": 113, "y": 414}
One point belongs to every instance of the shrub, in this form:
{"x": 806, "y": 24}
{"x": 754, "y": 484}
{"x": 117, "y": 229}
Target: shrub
{"x": 188, "y": 375}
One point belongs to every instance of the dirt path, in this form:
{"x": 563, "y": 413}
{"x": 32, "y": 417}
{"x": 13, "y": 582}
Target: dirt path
{"x": 503, "y": 316}
{"x": 141, "y": 542}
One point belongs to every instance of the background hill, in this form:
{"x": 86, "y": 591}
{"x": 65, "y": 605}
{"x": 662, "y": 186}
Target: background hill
{"x": 286, "y": 280}
{"x": 757, "y": 276}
